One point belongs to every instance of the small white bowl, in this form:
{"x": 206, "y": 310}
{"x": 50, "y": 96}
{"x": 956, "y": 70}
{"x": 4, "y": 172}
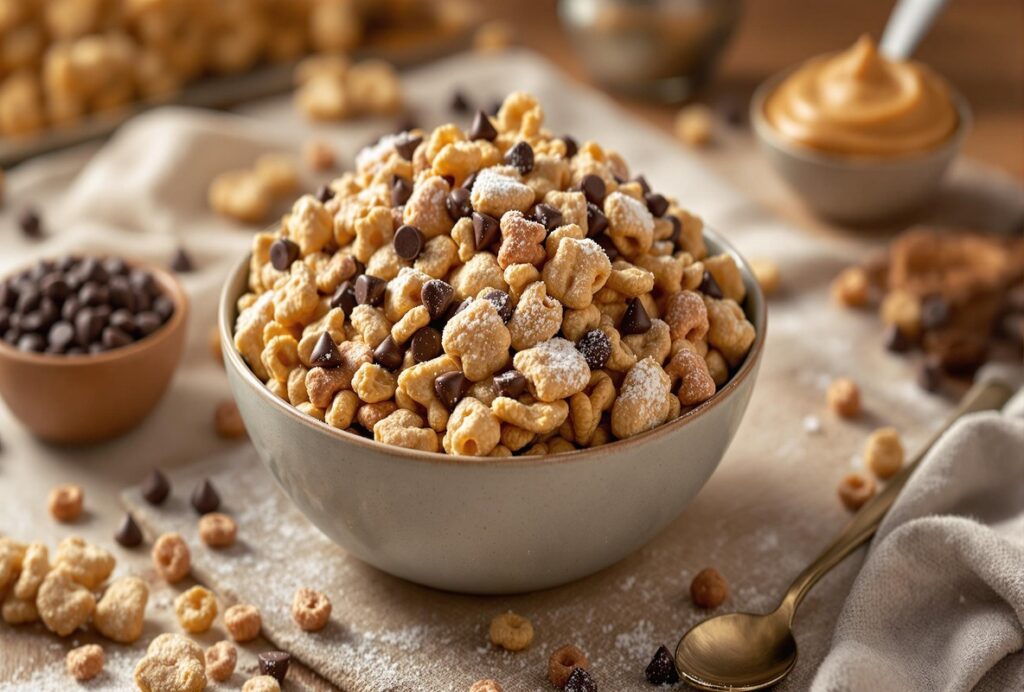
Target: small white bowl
{"x": 488, "y": 525}
{"x": 856, "y": 190}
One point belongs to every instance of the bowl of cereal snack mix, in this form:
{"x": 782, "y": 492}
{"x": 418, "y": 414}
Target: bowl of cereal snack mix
{"x": 493, "y": 360}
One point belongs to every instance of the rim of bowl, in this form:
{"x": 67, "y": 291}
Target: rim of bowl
{"x": 767, "y": 133}
{"x": 232, "y": 358}
{"x": 167, "y": 280}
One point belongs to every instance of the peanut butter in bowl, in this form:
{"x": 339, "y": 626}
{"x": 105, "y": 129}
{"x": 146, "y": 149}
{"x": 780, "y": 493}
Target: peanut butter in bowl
{"x": 859, "y": 103}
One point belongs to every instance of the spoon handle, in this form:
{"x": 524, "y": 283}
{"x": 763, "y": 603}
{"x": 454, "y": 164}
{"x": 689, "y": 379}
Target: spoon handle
{"x": 908, "y": 23}
{"x": 983, "y": 396}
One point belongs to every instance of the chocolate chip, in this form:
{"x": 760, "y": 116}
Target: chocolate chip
{"x": 580, "y": 681}
{"x": 55, "y": 287}
{"x": 164, "y": 307}
{"x": 930, "y": 376}
{"x": 470, "y": 181}
{"x": 121, "y": 295}
{"x": 636, "y": 320}
{"x": 88, "y": 326}
{"x": 520, "y": 156}
{"x": 31, "y": 343}
{"x": 710, "y": 287}
{"x": 155, "y": 488}
{"x": 596, "y": 348}
{"x": 181, "y": 262}
{"x": 608, "y": 245}
{"x": 593, "y": 188}
{"x": 282, "y": 253}
{"x": 408, "y": 242}
{"x": 450, "y": 179}
{"x": 274, "y": 664}
{"x": 677, "y": 228}
{"x": 510, "y": 383}
{"x": 662, "y": 668}
{"x": 436, "y": 295}
{"x": 388, "y": 354}
{"x": 324, "y": 193}
{"x": 205, "y": 498}
{"x": 425, "y": 344}
{"x": 485, "y": 230}
{"x": 113, "y": 266}
{"x": 122, "y": 319}
{"x": 458, "y": 203}
{"x": 401, "y": 191}
{"x": 459, "y": 102}
{"x": 450, "y": 388}
{"x": 934, "y": 312}
{"x": 93, "y": 294}
{"x": 455, "y": 308}
{"x": 405, "y": 145}
{"x": 502, "y": 302}
{"x": 115, "y": 338}
{"x": 547, "y": 216}
{"x": 30, "y": 223}
{"x": 344, "y": 297}
{"x": 482, "y": 128}
{"x": 147, "y": 322}
{"x": 656, "y": 204}
{"x": 643, "y": 183}
{"x": 369, "y": 290}
{"x": 325, "y": 353}
{"x": 896, "y": 340}
{"x": 570, "y": 146}
{"x": 128, "y": 533}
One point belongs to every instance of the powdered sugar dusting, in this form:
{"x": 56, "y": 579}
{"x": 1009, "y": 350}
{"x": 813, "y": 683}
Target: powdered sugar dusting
{"x": 369, "y": 158}
{"x": 632, "y": 211}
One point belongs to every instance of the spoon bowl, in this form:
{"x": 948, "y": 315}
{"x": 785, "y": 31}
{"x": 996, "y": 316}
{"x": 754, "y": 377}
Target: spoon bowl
{"x": 737, "y": 651}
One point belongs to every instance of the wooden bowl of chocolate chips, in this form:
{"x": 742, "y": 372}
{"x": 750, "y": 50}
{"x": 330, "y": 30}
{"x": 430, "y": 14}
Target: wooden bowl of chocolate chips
{"x": 88, "y": 344}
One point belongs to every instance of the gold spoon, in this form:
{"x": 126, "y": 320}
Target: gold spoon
{"x": 744, "y": 651}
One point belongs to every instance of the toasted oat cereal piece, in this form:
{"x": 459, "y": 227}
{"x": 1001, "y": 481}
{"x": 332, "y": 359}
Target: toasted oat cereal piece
{"x": 240, "y": 195}
{"x": 221, "y": 659}
{"x": 175, "y": 646}
{"x": 167, "y": 674}
{"x": 64, "y": 605}
{"x": 278, "y": 173}
{"x": 84, "y": 662}
{"x": 87, "y": 564}
{"x": 487, "y": 685}
{"x": 883, "y": 452}
{"x": 65, "y": 502}
{"x": 227, "y": 421}
{"x": 12, "y": 555}
{"x": 563, "y": 661}
{"x": 852, "y": 287}
{"x": 511, "y": 632}
{"x": 196, "y": 609}
{"x": 643, "y": 401}
{"x": 554, "y": 369}
{"x": 18, "y": 611}
{"x": 843, "y": 397}
{"x": 34, "y": 567}
{"x": 121, "y": 612}
{"x": 318, "y": 155}
{"x": 217, "y": 530}
{"x": 171, "y": 557}
{"x": 855, "y": 489}
{"x": 311, "y": 609}
{"x": 709, "y": 588}
{"x": 243, "y": 622}
{"x": 261, "y": 683}
{"x": 694, "y": 125}
{"x": 767, "y": 274}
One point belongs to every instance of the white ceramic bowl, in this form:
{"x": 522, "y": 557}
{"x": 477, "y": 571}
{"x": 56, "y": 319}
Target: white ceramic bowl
{"x": 856, "y": 190}
{"x": 490, "y": 525}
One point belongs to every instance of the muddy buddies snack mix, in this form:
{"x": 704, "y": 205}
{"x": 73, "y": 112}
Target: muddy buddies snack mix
{"x": 491, "y": 292}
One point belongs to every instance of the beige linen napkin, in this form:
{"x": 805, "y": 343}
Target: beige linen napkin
{"x": 939, "y": 602}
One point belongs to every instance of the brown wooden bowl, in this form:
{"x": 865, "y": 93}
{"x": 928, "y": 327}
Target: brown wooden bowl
{"x": 90, "y": 398}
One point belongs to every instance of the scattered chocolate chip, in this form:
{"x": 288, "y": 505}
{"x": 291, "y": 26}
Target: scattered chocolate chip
{"x": 608, "y": 245}
{"x": 408, "y": 242}
{"x": 485, "y": 230}
{"x": 205, "y": 498}
{"x": 401, "y": 190}
{"x": 155, "y": 488}
{"x": 324, "y": 193}
{"x": 369, "y": 290}
{"x": 510, "y": 383}
{"x": 388, "y": 354}
{"x": 934, "y": 312}
{"x": 662, "y": 668}
{"x": 570, "y": 146}
{"x": 459, "y": 102}
{"x": 436, "y": 295}
{"x": 656, "y": 204}
{"x": 597, "y": 222}
{"x": 596, "y": 348}
{"x": 458, "y": 203}
{"x": 593, "y": 188}
{"x": 896, "y": 340}
{"x": 405, "y": 145}
{"x": 282, "y": 253}
{"x": 425, "y": 344}
{"x": 30, "y": 223}
{"x": 643, "y": 184}
{"x": 580, "y": 681}
{"x": 710, "y": 287}
{"x": 502, "y": 302}
{"x": 325, "y": 353}
{"x": 450, "y": 388}
{"x": 128, "y": 533}
{"x": 182, "y": 262}
{"x": 547, "y": 216}
{"x": 274, "y": 664}
{"x": 345, "y": 297}
{"x": 520, "y": 156}
{"x": 482, "y": 128}
{"x": 636, "y": 320}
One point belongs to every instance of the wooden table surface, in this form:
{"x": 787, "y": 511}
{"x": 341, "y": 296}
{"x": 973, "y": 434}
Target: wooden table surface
{"x": 977, "y": 45}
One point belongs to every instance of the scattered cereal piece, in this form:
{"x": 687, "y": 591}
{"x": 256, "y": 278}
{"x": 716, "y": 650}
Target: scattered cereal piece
{"x": 319, "y": 155}
{"x": 64, "y": 605}
{"x": 843, "y": 397}
{"x": 261, "y": 683}
{"x": 275, "y": 664}
{"x": 227, "y": 421}
{"x": 492, "y": 37}
{"x": 563, "y": 661}
{"x": 175, "y": 646}
{"x": 12, "y": 555}
{"x": 196, "y": 609}
{"x": 85, "y": 563}
{"x": 709, "y": 588}
{"x": 65, "y": 502}
{"x": 694, "y": 125}
{"x": 217, "y": 530}
{"x": 852, "y": 287}
{"x": 883, "y": 452}
{"x": 311, "y": 609}
{"x": 511, "y": 632}
{"x": 220, "y": 661}
{"x": 35, "y": 565}
{"x": 240, "y": 195}
{"x": 243, "y": 622}
{"x": 662, "y": 668}
{"x": 85, "y": 662}
{"x": 168, "y": 674}
{"x": 121, "y": 612}
{"x": 488, "y": 685}
{"x": 767, "y": 274}
{"x": 171, "y": 557}
{"x": 855, "y": 489}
